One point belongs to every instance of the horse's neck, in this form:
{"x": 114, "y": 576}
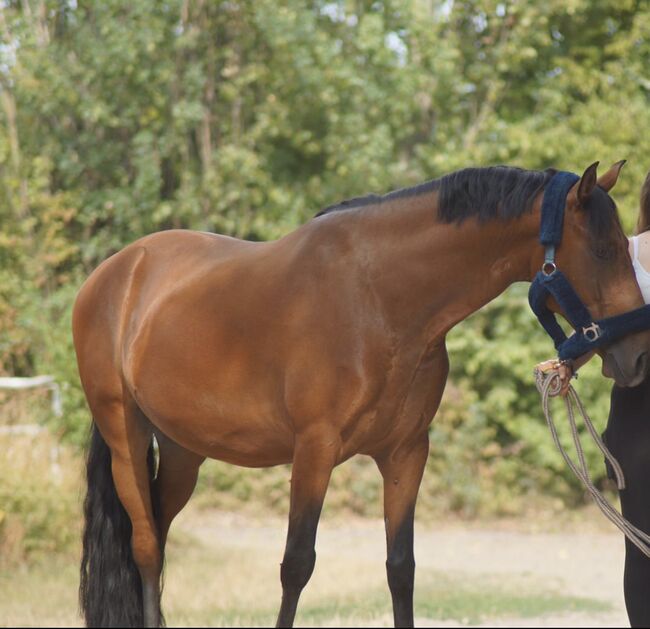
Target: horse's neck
{"x": 431, "y": 275}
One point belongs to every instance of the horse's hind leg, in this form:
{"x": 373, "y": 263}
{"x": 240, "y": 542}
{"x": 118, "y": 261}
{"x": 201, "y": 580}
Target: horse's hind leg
{"x": 315, "y": 454}
{"x": 402, "y": 471}
{"x": 178, "y": 471}
{"x": 129, "y": 439}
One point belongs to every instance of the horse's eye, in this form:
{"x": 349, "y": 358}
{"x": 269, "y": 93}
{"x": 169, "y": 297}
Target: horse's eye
{"x": 604, "y": 251}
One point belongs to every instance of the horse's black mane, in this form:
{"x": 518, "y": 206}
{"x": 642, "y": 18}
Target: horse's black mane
{"x": 503, "y": 192}
{"x": 493, "y": 192}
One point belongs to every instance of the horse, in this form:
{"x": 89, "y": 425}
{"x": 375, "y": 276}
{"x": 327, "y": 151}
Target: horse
{"x": 309, "y": 349}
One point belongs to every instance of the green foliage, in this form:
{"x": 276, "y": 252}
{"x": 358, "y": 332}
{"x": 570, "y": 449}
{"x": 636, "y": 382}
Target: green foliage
{"x": 492, "y": 356}
{"x": 121, "y": 118}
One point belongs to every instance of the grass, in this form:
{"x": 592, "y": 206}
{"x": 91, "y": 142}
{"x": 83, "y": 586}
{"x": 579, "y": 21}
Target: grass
{"x": 471, "y": 603}
{"x": 39, "y": 498}
{"x": 216, "y": 584}
{"x": 40, "y": 595}
{"x": 450, "y": 601}
{"x": 252, "y": 600}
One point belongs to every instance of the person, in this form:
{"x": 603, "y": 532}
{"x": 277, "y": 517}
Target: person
{"x": 628, "y": 438}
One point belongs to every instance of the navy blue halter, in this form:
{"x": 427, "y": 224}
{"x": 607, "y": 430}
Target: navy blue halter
{"x": 590, "y": 334}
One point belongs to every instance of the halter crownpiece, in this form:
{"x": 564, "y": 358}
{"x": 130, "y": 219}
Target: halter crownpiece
{"x": 550, "y": 281}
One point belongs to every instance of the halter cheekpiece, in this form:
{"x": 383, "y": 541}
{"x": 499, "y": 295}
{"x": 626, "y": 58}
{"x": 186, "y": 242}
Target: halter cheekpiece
{"x": 590, "y": 334}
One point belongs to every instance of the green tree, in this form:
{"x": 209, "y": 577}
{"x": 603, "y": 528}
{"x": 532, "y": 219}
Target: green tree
{"x": 122, "y": 118}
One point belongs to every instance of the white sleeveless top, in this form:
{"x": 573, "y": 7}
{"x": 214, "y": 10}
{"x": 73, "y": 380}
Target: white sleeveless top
{"x": 642, "y": 276}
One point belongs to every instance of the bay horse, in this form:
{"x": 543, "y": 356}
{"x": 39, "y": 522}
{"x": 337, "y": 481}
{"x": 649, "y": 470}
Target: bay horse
{"x": 326, "y": 343}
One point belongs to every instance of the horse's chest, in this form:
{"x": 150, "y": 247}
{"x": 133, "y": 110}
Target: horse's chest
{"x": 405, "y": 407}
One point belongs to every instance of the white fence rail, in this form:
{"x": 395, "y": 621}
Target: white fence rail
{"x": 48, "y": 382}
{"x": 35, "y": 430}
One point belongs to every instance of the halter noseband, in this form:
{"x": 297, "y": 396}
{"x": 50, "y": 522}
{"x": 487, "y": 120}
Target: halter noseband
{"x": 590, "y": 334}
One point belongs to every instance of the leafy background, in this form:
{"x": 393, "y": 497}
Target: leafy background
{"x": 121, "y": 118}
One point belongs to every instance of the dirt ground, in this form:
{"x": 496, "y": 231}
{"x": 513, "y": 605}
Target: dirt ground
{"x": 586, "y": 562}
{"x": 223, "y": 570}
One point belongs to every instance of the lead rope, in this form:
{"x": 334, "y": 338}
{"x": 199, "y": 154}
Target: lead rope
{"x": 549, "y": 385}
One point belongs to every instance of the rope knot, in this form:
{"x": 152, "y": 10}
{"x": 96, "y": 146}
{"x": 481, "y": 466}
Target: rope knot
{"x": 548, "y": 380}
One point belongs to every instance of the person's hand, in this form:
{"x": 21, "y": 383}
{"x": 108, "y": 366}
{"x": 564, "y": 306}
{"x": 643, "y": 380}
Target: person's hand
{"x": 564, "y": 369}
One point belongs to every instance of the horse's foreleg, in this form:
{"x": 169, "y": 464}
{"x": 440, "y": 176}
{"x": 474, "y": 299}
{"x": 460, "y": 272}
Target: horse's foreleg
{"x": 315, "y": 455}
{"x": 402, "y": 470}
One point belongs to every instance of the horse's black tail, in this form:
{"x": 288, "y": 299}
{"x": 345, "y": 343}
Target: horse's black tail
{"x": 110, "y": 590}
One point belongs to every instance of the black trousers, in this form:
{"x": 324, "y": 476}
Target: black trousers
{"x": 628, "y": 438}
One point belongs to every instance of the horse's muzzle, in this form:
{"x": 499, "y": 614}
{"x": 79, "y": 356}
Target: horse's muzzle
{"x": 626, "y": 370}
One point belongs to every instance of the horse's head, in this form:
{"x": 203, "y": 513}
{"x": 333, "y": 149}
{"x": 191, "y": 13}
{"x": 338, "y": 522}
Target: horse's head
{"x": 594, "y": 257}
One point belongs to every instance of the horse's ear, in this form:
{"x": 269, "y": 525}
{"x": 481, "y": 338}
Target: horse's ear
{"x": 608, "y": 180}
{"x": 587, "y": 183}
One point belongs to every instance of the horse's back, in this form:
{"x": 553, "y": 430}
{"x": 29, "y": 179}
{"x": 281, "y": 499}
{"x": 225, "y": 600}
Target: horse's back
{"x": 162, "y": 257}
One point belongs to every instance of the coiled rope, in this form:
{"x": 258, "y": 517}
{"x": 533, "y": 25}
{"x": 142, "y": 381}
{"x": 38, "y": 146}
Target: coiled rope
{"x": 549, "y": 384}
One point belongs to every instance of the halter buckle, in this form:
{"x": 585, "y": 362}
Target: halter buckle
{"x": 592, "y": 332}
{"x": 548, "y": 268}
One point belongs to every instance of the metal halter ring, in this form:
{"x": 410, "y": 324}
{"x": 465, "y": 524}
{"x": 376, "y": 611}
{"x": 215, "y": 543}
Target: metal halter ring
{"x": 592, "y": 333}
{"x": 548, "y": 268}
